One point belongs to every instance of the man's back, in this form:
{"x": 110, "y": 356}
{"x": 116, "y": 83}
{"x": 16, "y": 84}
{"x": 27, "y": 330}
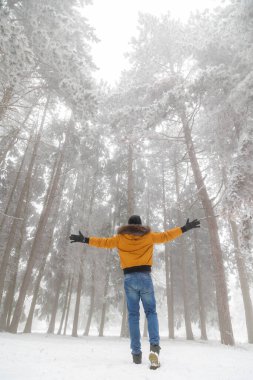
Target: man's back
{"x": 135, "y": 243}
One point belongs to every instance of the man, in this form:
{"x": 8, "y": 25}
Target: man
{"x": 135, "y": 244}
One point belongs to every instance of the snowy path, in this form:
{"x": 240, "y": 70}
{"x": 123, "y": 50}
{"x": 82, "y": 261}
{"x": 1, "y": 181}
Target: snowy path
{"x": 44, "y": 357}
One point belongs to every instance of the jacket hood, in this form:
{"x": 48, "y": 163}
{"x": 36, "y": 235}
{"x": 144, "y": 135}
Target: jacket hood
{"x": 134, "y": 229}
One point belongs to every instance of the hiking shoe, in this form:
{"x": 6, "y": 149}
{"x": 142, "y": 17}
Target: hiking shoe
{"x": 137, "y": 358}
{"x": 154, "y": 356}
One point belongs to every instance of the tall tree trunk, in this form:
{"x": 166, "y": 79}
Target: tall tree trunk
{"x": 242, "y": 272}
{"x": 11, "y": 285}
{"x": 108, "y": 262}
{"x": 12, "y": 137}
{"x": 9, "y": 298}
{"x": 4, "y": 103}
{"x": 188, "y": 327}
{"x": 10, "y": 199}
{"x": 202, "y": 312}
{"x": 68, "y": 307}
{"x": 169, "y": 269}
{"x": 187, "y": 317}
{"x": 225, "y": 325}
{"x": 130, "y": 181}
{"x": 36, "y": 243}
{"x": 130, "y": 210}
{"x": 62, "y": 264}
{"x": 244, "y": 283}
{"x": 78, "y": 298}
{"x": 9, "y": 145}
{"x": 60, "y": 276}
{"x": 104, "y": 305}
{"x": 28, "y": 325}
{"x": 145, "y": 327}
{"x": 92, "y": 301}
{"x": 169, "y": 292}
{"x": 14, "y": 226}
{"x": 19, "y": 208}
{"x": 59, "y": 281}
{"x": 64, "y": 306}
{"x": 124, "y": 327}
{"x": 168, "y": 259}
{"x": 80, "y": 276}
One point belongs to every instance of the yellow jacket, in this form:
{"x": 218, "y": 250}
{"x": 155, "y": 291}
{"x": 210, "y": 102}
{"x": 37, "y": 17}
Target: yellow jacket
{"x": 135, "y": 243}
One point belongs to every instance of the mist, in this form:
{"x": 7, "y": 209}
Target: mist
{"x": 167, "y": 135}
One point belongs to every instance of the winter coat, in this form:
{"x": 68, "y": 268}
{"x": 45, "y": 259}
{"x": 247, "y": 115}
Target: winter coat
{"x": 135, "y": 243}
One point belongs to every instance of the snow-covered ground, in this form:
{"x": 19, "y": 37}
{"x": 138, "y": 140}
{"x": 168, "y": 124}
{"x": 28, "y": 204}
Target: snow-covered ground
{"x": 48, "y": 357}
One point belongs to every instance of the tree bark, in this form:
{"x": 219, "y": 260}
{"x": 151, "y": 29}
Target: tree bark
{"x": 80, "y": 276}
{"x": 63, "y": 261}
{"x": 10, "y": 199}
{"x": 59, "y": 281}
{"x": 36, "y": 243}
{"x": 103, "y": 312}
{"x": 78, "y": 298}
{"x": 202, "y": 312}
{"x": 19, "y": 208}
{"x": 64, "y": 306}
{"x": 92, "y": 301}
{"x": 169, "y": 292}
{"x": 16, "y": 222}
{"x": 9, "y": 298}
{"x": 60, "y": 275}
{"x": 242, "y": 272}
{"x": 187, "y": 316}
{"x": 244, "y": 282}
{"x": 145, "y": 327}
{"x": 130, "y": 210}
{"x": 4, "y": 104}
{"x": 10, "y": 144}
{"x": 225, "y": 325}
{"x": 108, "y": 265}
{"x": 130, "y": 181}
{"x": 168, "y": 259}
{"x": 28, "y": 325}
{"x": 124, "y": 327}
{"x": 68, "y": 306}
{"x": 12, "y": 137}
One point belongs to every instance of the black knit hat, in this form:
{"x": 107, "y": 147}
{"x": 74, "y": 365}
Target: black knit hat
{"x": 134, "y": 219}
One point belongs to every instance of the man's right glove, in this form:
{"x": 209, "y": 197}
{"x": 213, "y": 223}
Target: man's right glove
{"x": 189, "y": 225}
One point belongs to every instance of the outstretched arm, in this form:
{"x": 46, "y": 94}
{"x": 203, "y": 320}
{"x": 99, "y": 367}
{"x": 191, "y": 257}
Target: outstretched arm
{"x": 107, "y": 243}
{"x": 164, "y": 237}
{"x": 98, "y": 242}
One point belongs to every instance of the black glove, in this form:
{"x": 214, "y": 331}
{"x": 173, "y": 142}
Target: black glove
{"x": 189, "y": 225}
{"x": 79, "y": 238}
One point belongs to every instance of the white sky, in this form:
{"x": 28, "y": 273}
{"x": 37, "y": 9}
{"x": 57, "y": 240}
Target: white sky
{"x": 115, "y": 22}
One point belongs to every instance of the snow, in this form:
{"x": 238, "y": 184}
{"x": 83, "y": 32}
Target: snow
{"x": 50, "y": 357}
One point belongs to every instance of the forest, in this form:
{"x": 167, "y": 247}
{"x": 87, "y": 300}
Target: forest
{"x": 171, "y": 140}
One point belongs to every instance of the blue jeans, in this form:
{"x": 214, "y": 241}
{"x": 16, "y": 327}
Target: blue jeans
{"x": 139, "y": 286}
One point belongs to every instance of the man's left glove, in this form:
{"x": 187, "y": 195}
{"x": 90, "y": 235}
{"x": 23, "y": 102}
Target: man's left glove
{"x": 79, "y": 238}
{"x": 189, "y": 225}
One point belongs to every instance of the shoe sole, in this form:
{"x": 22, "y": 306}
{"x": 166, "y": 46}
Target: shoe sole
{"x": 137, "y": 359}
{"x": 154, "y": 362}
